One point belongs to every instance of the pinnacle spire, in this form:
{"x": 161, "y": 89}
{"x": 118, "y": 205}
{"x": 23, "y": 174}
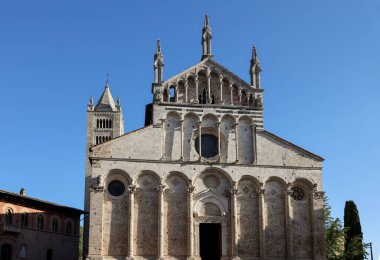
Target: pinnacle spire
{"x": 255, "y": 69}
{"x": 158, "y": 63}
{"x": 206, "y": 21}
{"x": 158, "y": 50}
{"x": 206, "y": 40}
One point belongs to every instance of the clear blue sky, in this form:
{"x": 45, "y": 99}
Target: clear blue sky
{"x": 320, "y": 61}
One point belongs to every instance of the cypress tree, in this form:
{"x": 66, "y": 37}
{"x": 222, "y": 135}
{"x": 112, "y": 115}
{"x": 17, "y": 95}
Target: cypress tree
{"x": 354, "y": 249}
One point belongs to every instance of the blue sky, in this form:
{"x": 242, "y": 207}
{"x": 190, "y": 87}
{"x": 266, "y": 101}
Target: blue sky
{"x": 320, "y": 63}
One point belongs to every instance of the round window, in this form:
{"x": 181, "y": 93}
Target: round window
{"x": 116, "y": 188}
{"x": 209, "y": 145}
{"x": 297, "y": 193}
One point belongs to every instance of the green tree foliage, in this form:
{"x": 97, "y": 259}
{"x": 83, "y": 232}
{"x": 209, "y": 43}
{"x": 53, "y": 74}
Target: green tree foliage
{"x": 81, "y": 241}
{"x": 334, "y": 234}
{"x": 354, "y": 249}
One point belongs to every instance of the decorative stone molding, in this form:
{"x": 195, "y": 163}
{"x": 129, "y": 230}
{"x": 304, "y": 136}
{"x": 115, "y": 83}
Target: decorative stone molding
{"x": 161, "y": 188}
{"x": 190, "y": 188}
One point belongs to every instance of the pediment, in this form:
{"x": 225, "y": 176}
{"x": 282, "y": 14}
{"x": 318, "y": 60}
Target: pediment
{"x": 213, "y": 67}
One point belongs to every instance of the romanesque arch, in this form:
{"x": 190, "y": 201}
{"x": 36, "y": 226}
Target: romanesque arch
{"x": 275, "y": 214}
{"x": 175, "y": 221}
{"x": 226, "y": 92}
{"x": 115, "y": 212}
{"x": 300, "y": 204}
{"x": 191, "y": 91}
{"x": 146, "y": 215}
{"x": 172, "y": 136}
{"x": 228, "y": 131}
{"x": 245, "y": 140}
{"x": 214, "y": 88}
{"x": 190, "y": 131}
{"x": 247, "y": 209}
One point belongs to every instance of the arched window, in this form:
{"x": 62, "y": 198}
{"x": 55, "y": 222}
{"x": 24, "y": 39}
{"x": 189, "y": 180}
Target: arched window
{"x": 9, "y": 217}
{"x": 40, "y": 222}
{"x": 24, "y": 220}
{"x": 111, "y": 123}
{"x": 97, "y": 123}
{"x": 104, "y": 123}
{"x": 54, "y": 226}
{"x": 6, "y": 252}
{"x": 68, "y": 227}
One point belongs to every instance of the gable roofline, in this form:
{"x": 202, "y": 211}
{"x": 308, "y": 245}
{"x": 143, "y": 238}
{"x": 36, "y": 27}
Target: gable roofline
{"x": 296, "y": 147}
{"x": 213, "y": 62}
{"x": 35, "y": 203}
{"x": 116, "y": 138}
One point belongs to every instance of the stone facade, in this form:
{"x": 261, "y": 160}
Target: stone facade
{"x": 36, "y": 229}
{"x": 202, "y": 167}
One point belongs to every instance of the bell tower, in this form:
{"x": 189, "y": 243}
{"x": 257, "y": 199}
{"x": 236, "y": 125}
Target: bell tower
{"x": 104, "y": 122}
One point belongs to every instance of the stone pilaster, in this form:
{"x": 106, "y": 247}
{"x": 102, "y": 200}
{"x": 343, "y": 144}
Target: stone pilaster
{"x": 131, "y": 190}
{"x": 262, "y": 223}
{"x": 316, "y": 209}
{"x": 236, "y": 125}
{"x": 288, "y": 222}
{"x": 191, "y": 253}
{"x": 161, "y": 190}
{"x": 234, "y": 227}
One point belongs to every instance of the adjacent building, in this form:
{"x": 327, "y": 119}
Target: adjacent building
{"x": 34, "y": 229}
{"x": 203, "y": 179}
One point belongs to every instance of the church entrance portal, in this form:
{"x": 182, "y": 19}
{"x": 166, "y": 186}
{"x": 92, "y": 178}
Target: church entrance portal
{"x": 210, "y": 241}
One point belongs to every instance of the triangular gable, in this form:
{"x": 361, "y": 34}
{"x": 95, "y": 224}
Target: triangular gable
{"x": 213, "y": 66}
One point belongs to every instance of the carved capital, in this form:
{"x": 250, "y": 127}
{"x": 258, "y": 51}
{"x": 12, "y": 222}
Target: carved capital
{"x": 161, "y": 188}
{"x": 318, "y": 195}
{"x": 131, "y": 188}
{"x": 234, "y": 191}
{"x": 96, "y": 189}
{"x": 190, "y": 188}
{"x": 261, "y": 193}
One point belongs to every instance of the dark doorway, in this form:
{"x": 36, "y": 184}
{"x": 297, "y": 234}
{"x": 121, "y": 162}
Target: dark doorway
{"x": 49, "y": 254}
{"x": 210, "y": 241}
{"x": 6, "y": 252}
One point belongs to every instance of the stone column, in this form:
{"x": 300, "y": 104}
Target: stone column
{"x": 176, "y": 91}
{"x": 221, "y": 88}
{"x": 236, "y": 125}
{"x": 181, "y": 125}
{"x": 186, "y": 89}
{"x": 200, "y": 140}
{"x": 231, "y": 93}
{"x": 240, "y": 94}
{"x": 162, "y": 138}
{"x": 196, "y": 81}
{"x": 234, "y": 226}
{"x": 190, "y": 223}
{"x": 96, "y": 222}
{"x": 131, "y": 190}
{"x": 219, "y": 150}
{"x": 209, "y": 87}
{"x": 254, "y": 146}
{"x": 161, "y": 190}
{"x": 288, "y": 221}
{"x": 262, "y": 223}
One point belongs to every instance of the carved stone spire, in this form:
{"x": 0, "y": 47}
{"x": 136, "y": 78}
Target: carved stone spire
{"x": 158, "y": 64}
{"x": 206, "y": 40}
{"x": 255, "y": 69}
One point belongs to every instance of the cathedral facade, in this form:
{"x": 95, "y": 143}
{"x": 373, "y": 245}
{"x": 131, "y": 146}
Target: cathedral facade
{"x": 203, "y": 179}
